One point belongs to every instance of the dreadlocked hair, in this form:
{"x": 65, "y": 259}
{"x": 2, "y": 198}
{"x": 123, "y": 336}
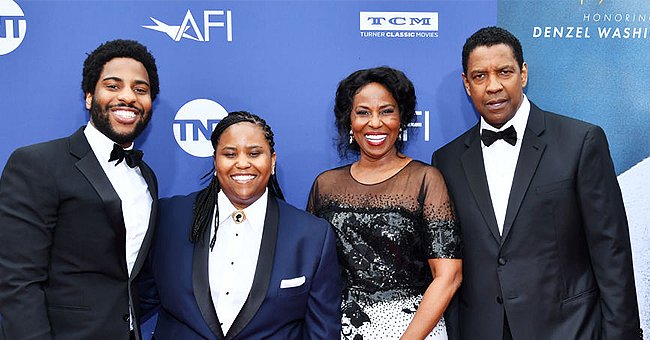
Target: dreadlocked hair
{"x": 206, "y": 200}
{"x": 202, "y": 212}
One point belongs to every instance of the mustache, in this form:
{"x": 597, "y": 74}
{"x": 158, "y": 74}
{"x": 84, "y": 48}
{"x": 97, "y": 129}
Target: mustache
{"x": 141, "y": 111}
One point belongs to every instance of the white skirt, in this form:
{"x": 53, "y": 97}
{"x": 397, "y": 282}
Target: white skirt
{"x": 385, "y": 320}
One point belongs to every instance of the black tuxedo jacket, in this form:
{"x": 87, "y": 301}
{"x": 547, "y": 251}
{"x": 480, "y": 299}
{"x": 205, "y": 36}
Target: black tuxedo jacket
{"x": 63, "y": 267}
{"x": 563, "y": 267}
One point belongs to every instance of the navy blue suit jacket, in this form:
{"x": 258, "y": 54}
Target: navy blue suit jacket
{"x": 294, "y": 243}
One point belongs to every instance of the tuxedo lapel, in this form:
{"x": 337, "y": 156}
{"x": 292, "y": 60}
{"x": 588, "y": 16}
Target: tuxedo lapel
{"x": 472, "y": 161}
{"x": 262, "y": 271}
{"x": 150, "y": 178}
{"x": 89, "y": 166}
{"x": 532, "y": 148}
{"x": 201, "y": 284}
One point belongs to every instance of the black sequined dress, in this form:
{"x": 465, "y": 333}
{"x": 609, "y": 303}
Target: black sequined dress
{"x": 386, "y": 232}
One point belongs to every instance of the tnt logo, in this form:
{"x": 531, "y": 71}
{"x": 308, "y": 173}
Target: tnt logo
{"x": 12, "y": 26}
{"x": 194, "y": 123}
{"x": 189, "y": 29}
{"x": 398, "y": 21}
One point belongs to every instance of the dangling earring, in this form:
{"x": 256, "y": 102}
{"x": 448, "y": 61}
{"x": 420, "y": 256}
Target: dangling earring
{"x": 273, "y": 171}
{"x": 399, "y": 135}
{"x": 351, "y": 137}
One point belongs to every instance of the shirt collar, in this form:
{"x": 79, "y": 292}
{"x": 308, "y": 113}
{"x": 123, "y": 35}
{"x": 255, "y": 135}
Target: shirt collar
{"x": 101, "y": 145}
{"x": 519, "y": 120}
{"x": 255, "y": 213}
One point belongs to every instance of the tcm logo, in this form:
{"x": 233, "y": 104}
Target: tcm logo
{"x": 194, "y": 123}
{"x": 398, "y": 21}
{"x": 12, "y": 26}
{"x": 189, "y": 29}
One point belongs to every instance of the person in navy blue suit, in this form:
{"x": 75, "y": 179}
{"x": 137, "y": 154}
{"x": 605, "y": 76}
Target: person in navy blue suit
{"x": 253, "y": 266}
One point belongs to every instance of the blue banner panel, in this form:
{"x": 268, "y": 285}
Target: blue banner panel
{"x": 279, "y": 59}
{"x": 587, "y": 59}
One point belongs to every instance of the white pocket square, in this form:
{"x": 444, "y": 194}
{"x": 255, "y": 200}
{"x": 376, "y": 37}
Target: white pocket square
{"x": 290, "y": 283}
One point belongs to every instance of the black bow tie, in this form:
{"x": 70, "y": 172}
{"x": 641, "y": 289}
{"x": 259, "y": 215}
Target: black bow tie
{"x": 509, "y": 135}
{"x": 132, "y": 157}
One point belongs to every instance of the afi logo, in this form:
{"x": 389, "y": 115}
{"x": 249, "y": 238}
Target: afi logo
{"x": 398, "y": 21}
{"x": 194, "y": 123}
{"x": 12, "y": 26}
{"x": 424, "y": 125}
{"x": 189, "y": 29}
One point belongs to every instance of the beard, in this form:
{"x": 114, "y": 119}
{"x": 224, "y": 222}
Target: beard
{"x": 102, "y": 123}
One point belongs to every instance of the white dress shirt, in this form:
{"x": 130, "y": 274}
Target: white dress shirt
{"x": 132, "y": 189}
{"x": 232, "y": 262}
{"x": 500, "y": 160}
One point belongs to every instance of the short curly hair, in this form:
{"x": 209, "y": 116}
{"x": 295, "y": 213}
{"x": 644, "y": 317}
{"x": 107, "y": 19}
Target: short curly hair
{"x": 94, "y": 63}
{"x": 393, "y": 80}
{"x": 490, "y": 36}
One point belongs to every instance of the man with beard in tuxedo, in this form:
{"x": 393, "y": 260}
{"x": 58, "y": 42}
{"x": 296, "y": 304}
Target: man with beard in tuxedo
{"x": 77, "y": 213}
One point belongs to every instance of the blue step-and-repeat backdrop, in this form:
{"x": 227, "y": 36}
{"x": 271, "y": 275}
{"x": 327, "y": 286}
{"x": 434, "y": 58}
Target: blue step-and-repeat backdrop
{"x": 283, "y": 60}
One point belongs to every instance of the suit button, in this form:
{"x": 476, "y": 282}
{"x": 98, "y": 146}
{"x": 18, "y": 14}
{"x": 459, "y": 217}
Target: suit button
{"x": 502, "y": 261}
{"x": 499, "y": 300}
{"x": 126, "y": 318}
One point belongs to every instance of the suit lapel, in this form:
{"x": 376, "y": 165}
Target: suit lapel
{"x": 201, "y": 284}
{"x": 472, "y": 161}
{"x": 150, "y": 178}
{"x": 532, "y": 148}
{"x": 262, "y": 271}
{"x": 89, "y": 166}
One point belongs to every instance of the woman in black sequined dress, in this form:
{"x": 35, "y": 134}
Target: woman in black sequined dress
{"x": 398, "y": 242}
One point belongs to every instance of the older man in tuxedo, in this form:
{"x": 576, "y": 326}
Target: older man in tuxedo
{"x": 546, "y": 243}
{"x": 76, "y": 212}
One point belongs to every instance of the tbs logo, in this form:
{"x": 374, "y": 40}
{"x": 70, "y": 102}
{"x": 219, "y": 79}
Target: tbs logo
{"x": 194, "y": 123}
{"x": 12, "y": 26}
{"x": 398, "y": 21}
